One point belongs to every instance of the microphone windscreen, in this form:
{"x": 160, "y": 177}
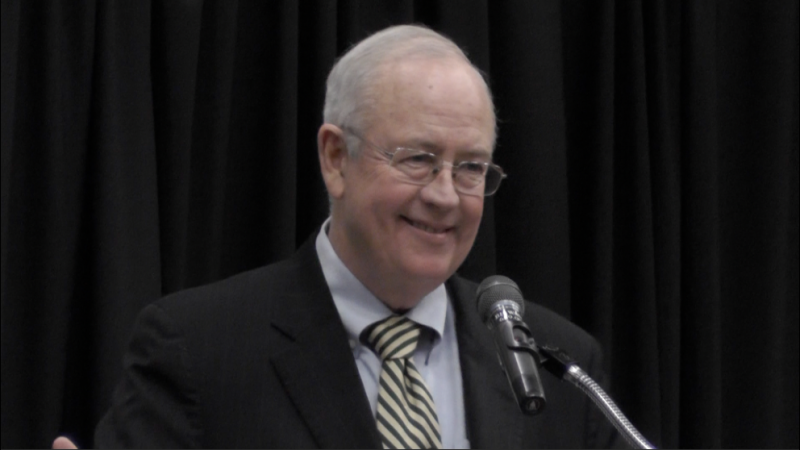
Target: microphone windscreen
{"x": 496, "y": 288}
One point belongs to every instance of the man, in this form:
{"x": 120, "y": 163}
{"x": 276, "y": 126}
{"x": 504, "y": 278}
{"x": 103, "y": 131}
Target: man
{"x": 295, "y": 354}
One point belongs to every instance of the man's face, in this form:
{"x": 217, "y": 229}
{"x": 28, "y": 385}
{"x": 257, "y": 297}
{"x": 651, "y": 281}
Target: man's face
{"x": 395, "y": 235}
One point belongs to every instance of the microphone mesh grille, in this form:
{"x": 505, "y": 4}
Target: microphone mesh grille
{"x": 496, "y": 288}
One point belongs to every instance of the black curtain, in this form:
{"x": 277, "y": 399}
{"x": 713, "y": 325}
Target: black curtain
{"x": 652, "y": 149}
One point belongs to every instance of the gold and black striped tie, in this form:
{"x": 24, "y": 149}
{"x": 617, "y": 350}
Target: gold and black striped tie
{"x": 406, "y": 415}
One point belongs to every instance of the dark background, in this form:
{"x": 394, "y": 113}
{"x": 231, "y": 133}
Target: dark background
{"x": 652, "y": 152}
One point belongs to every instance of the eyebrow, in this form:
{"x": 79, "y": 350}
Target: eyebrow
{"x": 471, "y": 154}
{"x": 460, "y": 155}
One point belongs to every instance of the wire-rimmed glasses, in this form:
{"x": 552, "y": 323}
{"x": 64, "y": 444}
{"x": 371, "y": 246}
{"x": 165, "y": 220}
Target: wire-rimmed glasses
{"x": 421, "y": 167}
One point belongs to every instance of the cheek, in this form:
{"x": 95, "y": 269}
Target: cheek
{"x": 473, "y": 212}
{"x": 389, "y": 199}
{"x": 379, "y": 208}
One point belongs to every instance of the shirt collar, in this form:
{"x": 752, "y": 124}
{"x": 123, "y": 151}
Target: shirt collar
{"x": 358, "y": 307}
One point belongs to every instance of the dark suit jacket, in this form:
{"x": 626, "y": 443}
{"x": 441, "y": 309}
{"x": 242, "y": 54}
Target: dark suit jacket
{"x": 262, "y": 360}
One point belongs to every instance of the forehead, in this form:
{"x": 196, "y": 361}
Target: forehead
{"x": 427, "y": 101}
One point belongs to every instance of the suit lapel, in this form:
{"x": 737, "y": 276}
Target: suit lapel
{"x": 320, "y": 376}
{"x": 493, "y": 418}
{"x": 317, "y": 369}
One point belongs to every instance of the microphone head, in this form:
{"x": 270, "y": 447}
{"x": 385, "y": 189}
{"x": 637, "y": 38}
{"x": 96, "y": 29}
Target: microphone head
{"x": 497, "y": 288}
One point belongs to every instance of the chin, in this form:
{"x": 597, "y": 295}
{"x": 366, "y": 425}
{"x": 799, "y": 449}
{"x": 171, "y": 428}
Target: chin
{"x": 438, "y": 271}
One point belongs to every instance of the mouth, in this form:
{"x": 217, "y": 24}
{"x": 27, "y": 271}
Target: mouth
{"x": 428, "y": 228}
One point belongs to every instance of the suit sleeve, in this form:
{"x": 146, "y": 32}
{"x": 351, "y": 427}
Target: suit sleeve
{"x": 156, "y": 403}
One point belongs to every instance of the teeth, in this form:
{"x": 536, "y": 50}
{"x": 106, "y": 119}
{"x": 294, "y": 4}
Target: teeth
{"x": 426, "y": 228}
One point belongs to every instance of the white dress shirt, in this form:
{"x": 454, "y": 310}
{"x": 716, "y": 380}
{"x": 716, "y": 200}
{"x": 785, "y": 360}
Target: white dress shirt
{"x": 436, "y": 356}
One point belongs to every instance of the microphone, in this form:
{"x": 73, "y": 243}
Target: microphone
{"x": 501, "y": 306}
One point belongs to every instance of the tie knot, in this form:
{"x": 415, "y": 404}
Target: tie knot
{"x": 394, "y": 338}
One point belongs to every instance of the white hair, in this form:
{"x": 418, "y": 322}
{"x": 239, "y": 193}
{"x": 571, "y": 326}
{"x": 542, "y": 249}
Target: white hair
{"x": 352, "y": 83}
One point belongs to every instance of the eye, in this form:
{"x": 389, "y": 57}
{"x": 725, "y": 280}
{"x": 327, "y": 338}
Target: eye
{"x": 414, "y": 159}
{"x": 472, "y": 167}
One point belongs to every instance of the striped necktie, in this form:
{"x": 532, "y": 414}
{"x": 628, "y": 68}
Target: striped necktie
{"x": 406, "y": 416}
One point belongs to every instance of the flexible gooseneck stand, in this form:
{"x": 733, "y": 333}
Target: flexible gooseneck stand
{"x": 562, "y": 366}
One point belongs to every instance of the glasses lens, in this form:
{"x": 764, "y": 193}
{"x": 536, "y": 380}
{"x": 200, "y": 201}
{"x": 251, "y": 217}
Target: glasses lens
{"x": 415, "y": 164}
{"x": 421, "y": 167}
{"x": 494, "y": 176}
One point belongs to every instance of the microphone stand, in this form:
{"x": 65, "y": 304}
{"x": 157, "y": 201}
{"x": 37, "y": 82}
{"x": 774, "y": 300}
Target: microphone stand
{"x": 557, "y": 362}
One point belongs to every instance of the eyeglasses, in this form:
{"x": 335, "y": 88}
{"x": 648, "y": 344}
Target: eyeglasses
{"x": 420, "y": 167}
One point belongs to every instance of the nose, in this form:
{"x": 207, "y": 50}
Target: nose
{"x": 441, "y": 191}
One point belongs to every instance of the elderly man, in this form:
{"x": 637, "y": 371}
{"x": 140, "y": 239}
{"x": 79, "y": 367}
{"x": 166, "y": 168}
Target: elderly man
{"x": 365, "y": 337}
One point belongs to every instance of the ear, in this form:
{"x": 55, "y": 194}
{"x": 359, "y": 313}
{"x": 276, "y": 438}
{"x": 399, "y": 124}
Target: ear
{"x": 332, "y": 158}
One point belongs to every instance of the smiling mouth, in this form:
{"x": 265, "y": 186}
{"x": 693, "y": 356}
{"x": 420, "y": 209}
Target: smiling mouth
{"x": 427, "y": 228}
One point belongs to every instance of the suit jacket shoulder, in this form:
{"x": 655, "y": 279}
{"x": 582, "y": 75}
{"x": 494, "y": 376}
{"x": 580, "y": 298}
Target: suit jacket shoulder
{"x": 257, "y": 360}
